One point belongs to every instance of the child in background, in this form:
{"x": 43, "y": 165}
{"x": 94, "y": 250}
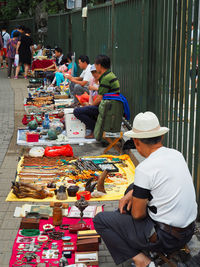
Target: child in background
{"x": 60, "y": 72}
{"x": 94, "y": 85}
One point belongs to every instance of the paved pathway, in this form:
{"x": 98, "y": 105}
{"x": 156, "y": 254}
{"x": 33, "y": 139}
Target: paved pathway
{"x": 6, "y": 114}
{"x": 12, "y": 93}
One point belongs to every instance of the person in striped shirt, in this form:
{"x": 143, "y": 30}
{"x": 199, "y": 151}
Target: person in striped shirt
{"x": 108, "y": 83}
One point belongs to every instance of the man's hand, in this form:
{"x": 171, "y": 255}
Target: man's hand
{"x": 69, "y": 77}
{"x": 126, "y": 200}
{"x": 85, "y": 104}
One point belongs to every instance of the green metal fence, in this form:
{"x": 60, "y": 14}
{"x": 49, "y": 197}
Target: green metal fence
{"x": 150, "y": 46}
{"x": 172, "y": 77}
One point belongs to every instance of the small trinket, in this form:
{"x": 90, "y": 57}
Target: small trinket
{"x": 81, "y": 204}
{"x": 57, "y": 216}
{"x": 61, "y": 193}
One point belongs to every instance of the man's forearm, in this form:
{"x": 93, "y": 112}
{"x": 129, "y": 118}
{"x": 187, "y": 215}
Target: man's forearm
{"x": 97, "y": 100}
{"x": 76, "y": 79}
{"x": 80, "y": 82}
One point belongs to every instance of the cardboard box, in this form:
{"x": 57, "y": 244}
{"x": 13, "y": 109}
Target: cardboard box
{"x": 74, "y": 127}
{"x": 88, "y": 258}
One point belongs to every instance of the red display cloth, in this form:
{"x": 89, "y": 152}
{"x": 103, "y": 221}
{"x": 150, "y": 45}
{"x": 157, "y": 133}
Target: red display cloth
{"x": 59, "y": 242}
{"x": 41, "y": 64}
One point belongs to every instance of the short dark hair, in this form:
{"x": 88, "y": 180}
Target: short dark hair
{"x": 27, "y": 30}
{"x": 84, "y": 59}
{"x": 21, "y": 27}
{"x": 103, "y": 60}
{"x": 64, "y": 60}
{"x": 152, "y": 140}
{"x": 58, "y": 49}
{"x": 69, "y": 55}
{"x": 16, "y": 34}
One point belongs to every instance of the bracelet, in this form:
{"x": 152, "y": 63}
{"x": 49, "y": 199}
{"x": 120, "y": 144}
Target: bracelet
{"x": 56, "y": 235}
{"x": 64, "y": 226}
{"x": 30, "y": 232}
{"x": 42, "y": 238}
{"x": 48, "y": 227}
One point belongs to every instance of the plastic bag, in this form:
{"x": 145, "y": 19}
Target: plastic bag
{"x": 16, "y": 61}
{"x": 83, "y": 98}
{"x": 36, "y": 151}
{"x": 54, "y": 151}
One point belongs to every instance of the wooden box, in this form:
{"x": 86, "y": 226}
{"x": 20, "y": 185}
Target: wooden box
{"x": 29, "y": 223}
{"x": 90, "y": 244}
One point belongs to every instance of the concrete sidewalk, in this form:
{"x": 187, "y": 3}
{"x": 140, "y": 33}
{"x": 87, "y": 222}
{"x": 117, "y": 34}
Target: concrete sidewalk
{"x": 11, "y": 113}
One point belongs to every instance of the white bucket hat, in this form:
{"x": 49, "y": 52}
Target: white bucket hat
{"x": 146, "y": 125}
{"x": 92, "y": 68}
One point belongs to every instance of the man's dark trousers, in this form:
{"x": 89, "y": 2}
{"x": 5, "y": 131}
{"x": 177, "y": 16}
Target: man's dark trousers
{"x": 88, "y": 115}
{"x": 126, "y": 237}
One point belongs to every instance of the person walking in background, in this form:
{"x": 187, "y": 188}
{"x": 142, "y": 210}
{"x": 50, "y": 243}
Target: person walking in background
{"x": 5, "y": 37}
{"x": 24, "y": 49}
{"x": 11, "y": 51}
{"x": 1, "y": 42}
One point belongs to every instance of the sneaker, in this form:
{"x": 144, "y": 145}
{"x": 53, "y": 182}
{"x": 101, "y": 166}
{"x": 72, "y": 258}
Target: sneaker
{"x": 2, "y": 66}
{"x": 16, "y": 77}
{"x": 6, "y": 66}
{"x": 8, "y": 77}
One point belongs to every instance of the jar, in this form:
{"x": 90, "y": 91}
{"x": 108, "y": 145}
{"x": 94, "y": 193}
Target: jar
{"x": 57, "y": 125}
{"x": 57, "y": 216}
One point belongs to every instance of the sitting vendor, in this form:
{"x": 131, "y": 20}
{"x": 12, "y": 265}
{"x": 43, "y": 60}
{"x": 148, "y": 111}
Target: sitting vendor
{"x": 38, "y": 50}
{"x": 158, "y": 211}
{"x": 108, "y": 83}
{"x": 70, "y": 64}
{"x": 79, "y": 85}
{"x": 60, "y": 72}
{"x": 58, "y": 62}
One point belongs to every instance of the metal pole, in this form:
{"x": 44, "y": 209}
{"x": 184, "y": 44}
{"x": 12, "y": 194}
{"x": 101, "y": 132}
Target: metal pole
{"x": 113, "y": 32}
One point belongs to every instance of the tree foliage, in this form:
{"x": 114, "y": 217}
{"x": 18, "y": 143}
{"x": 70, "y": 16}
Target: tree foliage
{"x": 26, "y": 8}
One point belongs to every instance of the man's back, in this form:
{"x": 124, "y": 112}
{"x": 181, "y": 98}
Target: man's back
{"x": 165, "y": 174}
{"x": 108, "y": 83}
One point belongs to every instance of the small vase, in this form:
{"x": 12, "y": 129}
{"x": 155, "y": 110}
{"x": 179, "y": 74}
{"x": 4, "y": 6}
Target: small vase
{"x": 46, "y": 122}
{"x": 57, "y": 216}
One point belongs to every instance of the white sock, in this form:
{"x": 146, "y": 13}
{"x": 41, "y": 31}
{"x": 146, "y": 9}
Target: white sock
{"x": 151, "y": 264}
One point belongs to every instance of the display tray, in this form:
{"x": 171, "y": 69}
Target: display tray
{"x": 59, "y": 243}
{"x": 41, "y": 171}
{"x": 21, "y": 140}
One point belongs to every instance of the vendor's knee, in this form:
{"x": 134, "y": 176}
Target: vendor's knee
{"x": 98, "y": 223}
{"x": 77, "y": 112}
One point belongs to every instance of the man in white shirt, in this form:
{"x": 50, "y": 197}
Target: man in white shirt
{"x": 79, "y": 85}
{"x": 158, "y": 211}
{"x": 5, "y": 37}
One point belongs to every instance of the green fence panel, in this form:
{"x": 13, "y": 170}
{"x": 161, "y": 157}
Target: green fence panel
{"x": 53, "y": 35}
{"x": 64, "y": 33}
{"x": 130, "y": 48}
{"x": 99, "y": 31}
{"x": 79, "y": 33}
